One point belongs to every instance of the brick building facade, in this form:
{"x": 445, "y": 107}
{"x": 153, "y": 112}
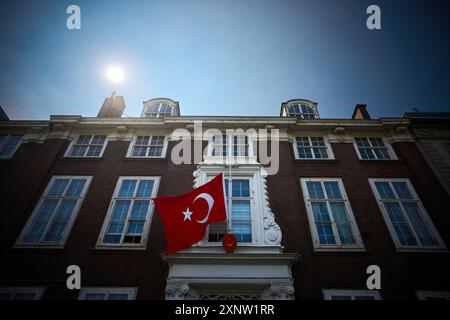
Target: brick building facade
{"x": 348, "y": 193}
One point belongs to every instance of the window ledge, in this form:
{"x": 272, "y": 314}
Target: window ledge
{"x": 381, "y": 160}
{"x": 317, "y": 160}
{"x": 338, "y": 251}
{"x": 115, "y": 249}
{"x": 144, "y": 158}
{"x": 80, "y": 158}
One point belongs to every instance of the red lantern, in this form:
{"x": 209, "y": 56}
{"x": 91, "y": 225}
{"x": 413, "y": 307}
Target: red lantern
{"x": 229, "y": 243}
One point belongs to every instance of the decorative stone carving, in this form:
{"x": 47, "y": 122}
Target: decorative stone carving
{"x": 176, "y": 290}
{"x": 272, "y": 231}
{"x": 279, "y": 291}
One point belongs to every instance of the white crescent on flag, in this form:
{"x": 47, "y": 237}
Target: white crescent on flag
{"x": 210, "y": 202}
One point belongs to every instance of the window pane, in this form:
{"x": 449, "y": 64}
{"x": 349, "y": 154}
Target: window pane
{"x": 402, "y": 190}
{"x": 139, "y": 210}
{"x": 60, "y": 220}
{"x": 135, "y": 227}
{"x": 323, "y": 223}
{"x": 139, "y": 152}
{"x": 58, "y": 187}
{"x": 118, "y": 296}
{"x": 98, "y": 139}
{"x": 241, "y": 210}
{"x": 127, "y": 188}
{"x": 78, "y": 151}
{"x": 332, "y": 189}
{"x": 95, "y": 296}
{"x": 315, "y": 190}
{"x": 240, "y": 188}
{"x": 145, "y": 189}
{"x": 94, "y": 151}
{"x": 217, "y": 231}
{"x": 419, "y": 224}
{"x": 400, "y": 224}
{"x": 40, "y": 222}
{"x": 84, "y": 139}
{"x": 384, "y": 190}
{"x": 10, "y": 144}
{"x": 75, "y": 188}
{"x": 342, "y": 223}
{"x": 340, "y": 297}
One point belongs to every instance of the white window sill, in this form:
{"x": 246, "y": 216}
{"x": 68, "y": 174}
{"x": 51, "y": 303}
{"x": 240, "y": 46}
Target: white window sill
{"x": 38, "y": 246}
{"x": 339, "y": 249}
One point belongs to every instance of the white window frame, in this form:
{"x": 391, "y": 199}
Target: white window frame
{"x": 358, "y": 246}
{"x": 57, "y": 244}
{"x": 390, "y": 150}
{"x": 147, "y": 224}
{"x": 222, "y": 159}
{"x": 130, "y": 291}
{"x": 133, "y": 142}
{"x": 424, "y": 213}
{"x": 37, "y": 291}
{"x": 423, "y": 295}
{"x": 3, "y": 143}
{"x": 328, "y": 293}
{"x": 327, "y": 146}
{"x": 73, "y": 143}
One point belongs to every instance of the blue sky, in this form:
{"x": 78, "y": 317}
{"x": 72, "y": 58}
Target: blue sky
{"x": 235, "y": 57}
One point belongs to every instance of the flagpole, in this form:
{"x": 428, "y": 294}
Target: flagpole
{"x": 229, "y": 187}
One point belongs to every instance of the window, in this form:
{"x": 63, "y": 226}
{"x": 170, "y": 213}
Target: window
{"x": 241, "y": 212}
{"x": 8, "y": 145}
{"x": 87, "y": 146}
{"x": 158, "y": 110}
{"x": 302, "y": 111}
{"x": 55, "y": 213}
{"x": 433, "y": 295}
{"x": 226, "y": 145}
{"x": 130, "y": 212}
{"x": 107, "y": 294}
{"x": 405, "y": 216}
{"x": 148, "y": 147}
{"x": 312, "y": 148}
{"x": 330, "y": 215}
{"x": 373, "y": 149}
{"x": 21, "y": 293}
{"x": 351, "y": 295}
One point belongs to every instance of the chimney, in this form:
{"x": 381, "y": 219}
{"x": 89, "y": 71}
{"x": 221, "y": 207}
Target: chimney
{"x": 3, "y": 115}
{"x": 360, "y": 112}
{"x": 112, "y": 107}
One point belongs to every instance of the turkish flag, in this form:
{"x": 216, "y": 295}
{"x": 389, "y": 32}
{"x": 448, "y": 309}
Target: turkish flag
{"x": 186, "y": 217}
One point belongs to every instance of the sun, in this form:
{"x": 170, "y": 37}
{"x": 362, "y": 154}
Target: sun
{"x": 115, "y": 74}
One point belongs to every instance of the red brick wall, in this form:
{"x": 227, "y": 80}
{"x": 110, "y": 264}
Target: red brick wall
{"x": 24, "y": 178}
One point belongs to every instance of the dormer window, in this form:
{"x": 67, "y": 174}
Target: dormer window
{"x": 160, "y": 108}
{"x": 301, "y": 109}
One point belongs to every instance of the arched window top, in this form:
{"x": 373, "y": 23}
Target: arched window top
{"x": 302, "y": 109}
{"x": 159, "y": 108}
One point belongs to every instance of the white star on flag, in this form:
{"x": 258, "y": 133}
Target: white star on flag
{"x": 187, "y": 214}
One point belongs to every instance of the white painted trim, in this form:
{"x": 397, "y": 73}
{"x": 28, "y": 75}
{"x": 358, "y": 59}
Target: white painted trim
{"x": 424, "y": 213}
{"x": 327, "y": 146}
{"x": 70, "y": 223}
{"x": 38, "y": 291}
{"x": 328, "y": 293}
{"x": 75, "y": 138}
{"x": 133, "y": 142}
{"x": 359, "y": 246}
{"x": 100, "y": 244}
{"x": 130, "y": 291}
